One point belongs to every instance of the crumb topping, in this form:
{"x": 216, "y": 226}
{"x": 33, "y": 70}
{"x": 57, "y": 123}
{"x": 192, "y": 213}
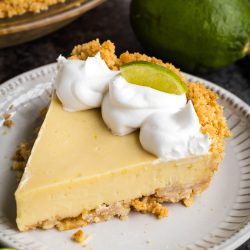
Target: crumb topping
{"x": 18, "y": 7}
{"x": 106, "y": 49}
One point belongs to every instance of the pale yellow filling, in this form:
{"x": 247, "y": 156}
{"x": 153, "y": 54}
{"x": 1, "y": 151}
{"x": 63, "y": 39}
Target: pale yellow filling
{"x": 76, "y": 163}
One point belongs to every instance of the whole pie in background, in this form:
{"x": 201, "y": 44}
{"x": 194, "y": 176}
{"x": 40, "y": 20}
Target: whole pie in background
{"x": 25, "y": 20}
{"x": 19, "y": 7}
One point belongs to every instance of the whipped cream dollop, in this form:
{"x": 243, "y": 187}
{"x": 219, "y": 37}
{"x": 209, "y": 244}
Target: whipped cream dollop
{"x": 80, "y": 85}
{"x": 169, "y": 126}
{"x": 126, "y": 106}
{"x": 174, "y": 135}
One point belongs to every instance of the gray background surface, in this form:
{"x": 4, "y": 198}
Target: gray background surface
{"x": 108, "y": 21}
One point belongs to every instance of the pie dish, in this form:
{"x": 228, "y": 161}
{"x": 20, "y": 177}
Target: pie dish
{"x": 17, "y": 7}
{"x": 105, "y": 175}
{"x": 29, "y": 26}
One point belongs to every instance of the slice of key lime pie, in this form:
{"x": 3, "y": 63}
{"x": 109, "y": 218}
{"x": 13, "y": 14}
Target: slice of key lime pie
{"x": 120, "y": 134}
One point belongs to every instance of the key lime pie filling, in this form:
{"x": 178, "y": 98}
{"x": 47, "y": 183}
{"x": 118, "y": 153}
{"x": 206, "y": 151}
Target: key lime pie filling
{"x": 114, "y": 140}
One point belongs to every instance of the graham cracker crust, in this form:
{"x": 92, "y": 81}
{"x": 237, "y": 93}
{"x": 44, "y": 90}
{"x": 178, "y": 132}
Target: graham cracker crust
{"x": 147, "y": 205}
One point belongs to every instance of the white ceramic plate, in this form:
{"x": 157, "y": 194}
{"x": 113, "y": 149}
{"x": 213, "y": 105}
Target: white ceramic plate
{"x": 219, "y": 218}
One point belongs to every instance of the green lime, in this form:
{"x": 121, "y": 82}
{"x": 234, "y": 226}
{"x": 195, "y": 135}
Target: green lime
{"x": 193, "y": 34}
{"x": 154, "y": 76}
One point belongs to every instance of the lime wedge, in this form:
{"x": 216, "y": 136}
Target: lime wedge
{"x": 153, "y": 76}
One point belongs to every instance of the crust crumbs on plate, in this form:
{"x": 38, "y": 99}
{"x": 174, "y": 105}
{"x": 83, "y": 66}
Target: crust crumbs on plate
{"x": 79, "y": 236}
{"x": 7, "y": 121}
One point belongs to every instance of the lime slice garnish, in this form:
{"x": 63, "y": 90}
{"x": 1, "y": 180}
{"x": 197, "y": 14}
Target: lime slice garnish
{"x": 154, "y": 76}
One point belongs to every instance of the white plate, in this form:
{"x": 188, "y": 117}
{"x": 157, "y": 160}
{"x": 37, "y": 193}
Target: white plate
{"x": 219, "y": 218}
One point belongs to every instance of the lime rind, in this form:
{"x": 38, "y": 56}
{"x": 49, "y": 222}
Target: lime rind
{"x": 154, "y": 76}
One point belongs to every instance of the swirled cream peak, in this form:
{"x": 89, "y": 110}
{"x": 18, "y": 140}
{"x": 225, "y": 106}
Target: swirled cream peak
{"x": 174, "y": 136}
{"x": 125, "y": 106}
{"x": 80, "y": 85}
